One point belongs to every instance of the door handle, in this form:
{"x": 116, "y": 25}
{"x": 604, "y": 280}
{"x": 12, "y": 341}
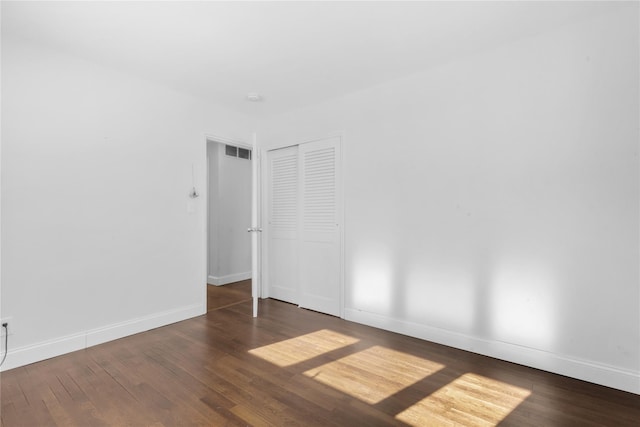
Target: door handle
{"x": 254, "y": 229}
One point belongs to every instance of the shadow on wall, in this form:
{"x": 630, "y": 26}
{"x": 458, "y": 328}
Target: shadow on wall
{"x": 509, "y": 300}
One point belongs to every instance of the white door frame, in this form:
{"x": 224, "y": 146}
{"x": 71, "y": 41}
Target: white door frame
{"x": 213, "y": 138}
{"x": 256, "y": 224}
{"x": 264, "y": 292}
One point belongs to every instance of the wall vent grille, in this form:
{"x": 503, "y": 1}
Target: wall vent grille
{"x": 239, "y": 152}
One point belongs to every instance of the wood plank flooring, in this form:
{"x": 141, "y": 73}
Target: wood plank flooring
{"x": 227, "y": 295}
{"x": 295, "y": 367}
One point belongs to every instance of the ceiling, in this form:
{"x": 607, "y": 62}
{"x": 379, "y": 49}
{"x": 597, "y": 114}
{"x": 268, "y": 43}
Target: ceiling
{"x": 292, "y": 53}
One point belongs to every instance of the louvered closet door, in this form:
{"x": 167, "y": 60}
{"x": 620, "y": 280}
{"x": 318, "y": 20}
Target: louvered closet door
{"x": 283, "y": 236}
{"x": 320, "y": 226}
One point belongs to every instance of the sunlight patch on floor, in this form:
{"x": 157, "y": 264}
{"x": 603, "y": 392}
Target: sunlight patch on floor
{"x": 374, "y": 374}
{"x": 470, "y": 400}
{"x": 302, "y": 348}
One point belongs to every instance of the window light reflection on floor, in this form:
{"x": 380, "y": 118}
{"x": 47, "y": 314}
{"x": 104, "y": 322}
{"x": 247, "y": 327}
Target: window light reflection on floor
{"x": 378, "y": 373}
{"x": 302, "y": 348}
{"x": 387, "y": 372}
{"x": 470, "y": 400}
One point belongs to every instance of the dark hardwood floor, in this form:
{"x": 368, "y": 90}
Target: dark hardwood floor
{"x": 295, "y": 367}
{"x": 227, "y": 295}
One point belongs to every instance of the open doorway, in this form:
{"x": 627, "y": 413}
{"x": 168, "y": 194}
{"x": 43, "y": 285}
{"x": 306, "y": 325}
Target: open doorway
{"x": 229, "y": 214}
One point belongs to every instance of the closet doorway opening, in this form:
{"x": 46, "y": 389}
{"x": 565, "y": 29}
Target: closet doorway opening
{"x": 229, "y": 186}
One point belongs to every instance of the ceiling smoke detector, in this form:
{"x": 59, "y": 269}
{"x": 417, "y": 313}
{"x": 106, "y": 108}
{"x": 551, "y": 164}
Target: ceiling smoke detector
{"x": 254, "y": 97}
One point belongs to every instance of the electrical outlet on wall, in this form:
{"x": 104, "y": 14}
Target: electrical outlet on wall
{"x": 10, "y": 324}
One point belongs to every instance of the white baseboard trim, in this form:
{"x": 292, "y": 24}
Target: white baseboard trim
{"x": 58, "y": 346}
{"x": 610, "y": 376}
{"x": 229, "y": 278}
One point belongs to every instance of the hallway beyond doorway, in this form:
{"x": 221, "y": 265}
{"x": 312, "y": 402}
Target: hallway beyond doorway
{"x": 227, "y": 295}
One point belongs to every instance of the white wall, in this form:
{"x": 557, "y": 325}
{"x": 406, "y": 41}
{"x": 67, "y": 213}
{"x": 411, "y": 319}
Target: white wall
{"x": 492, "y": 203}
{"x": 97, "y": 241}
{"x": 229, "y": 217}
